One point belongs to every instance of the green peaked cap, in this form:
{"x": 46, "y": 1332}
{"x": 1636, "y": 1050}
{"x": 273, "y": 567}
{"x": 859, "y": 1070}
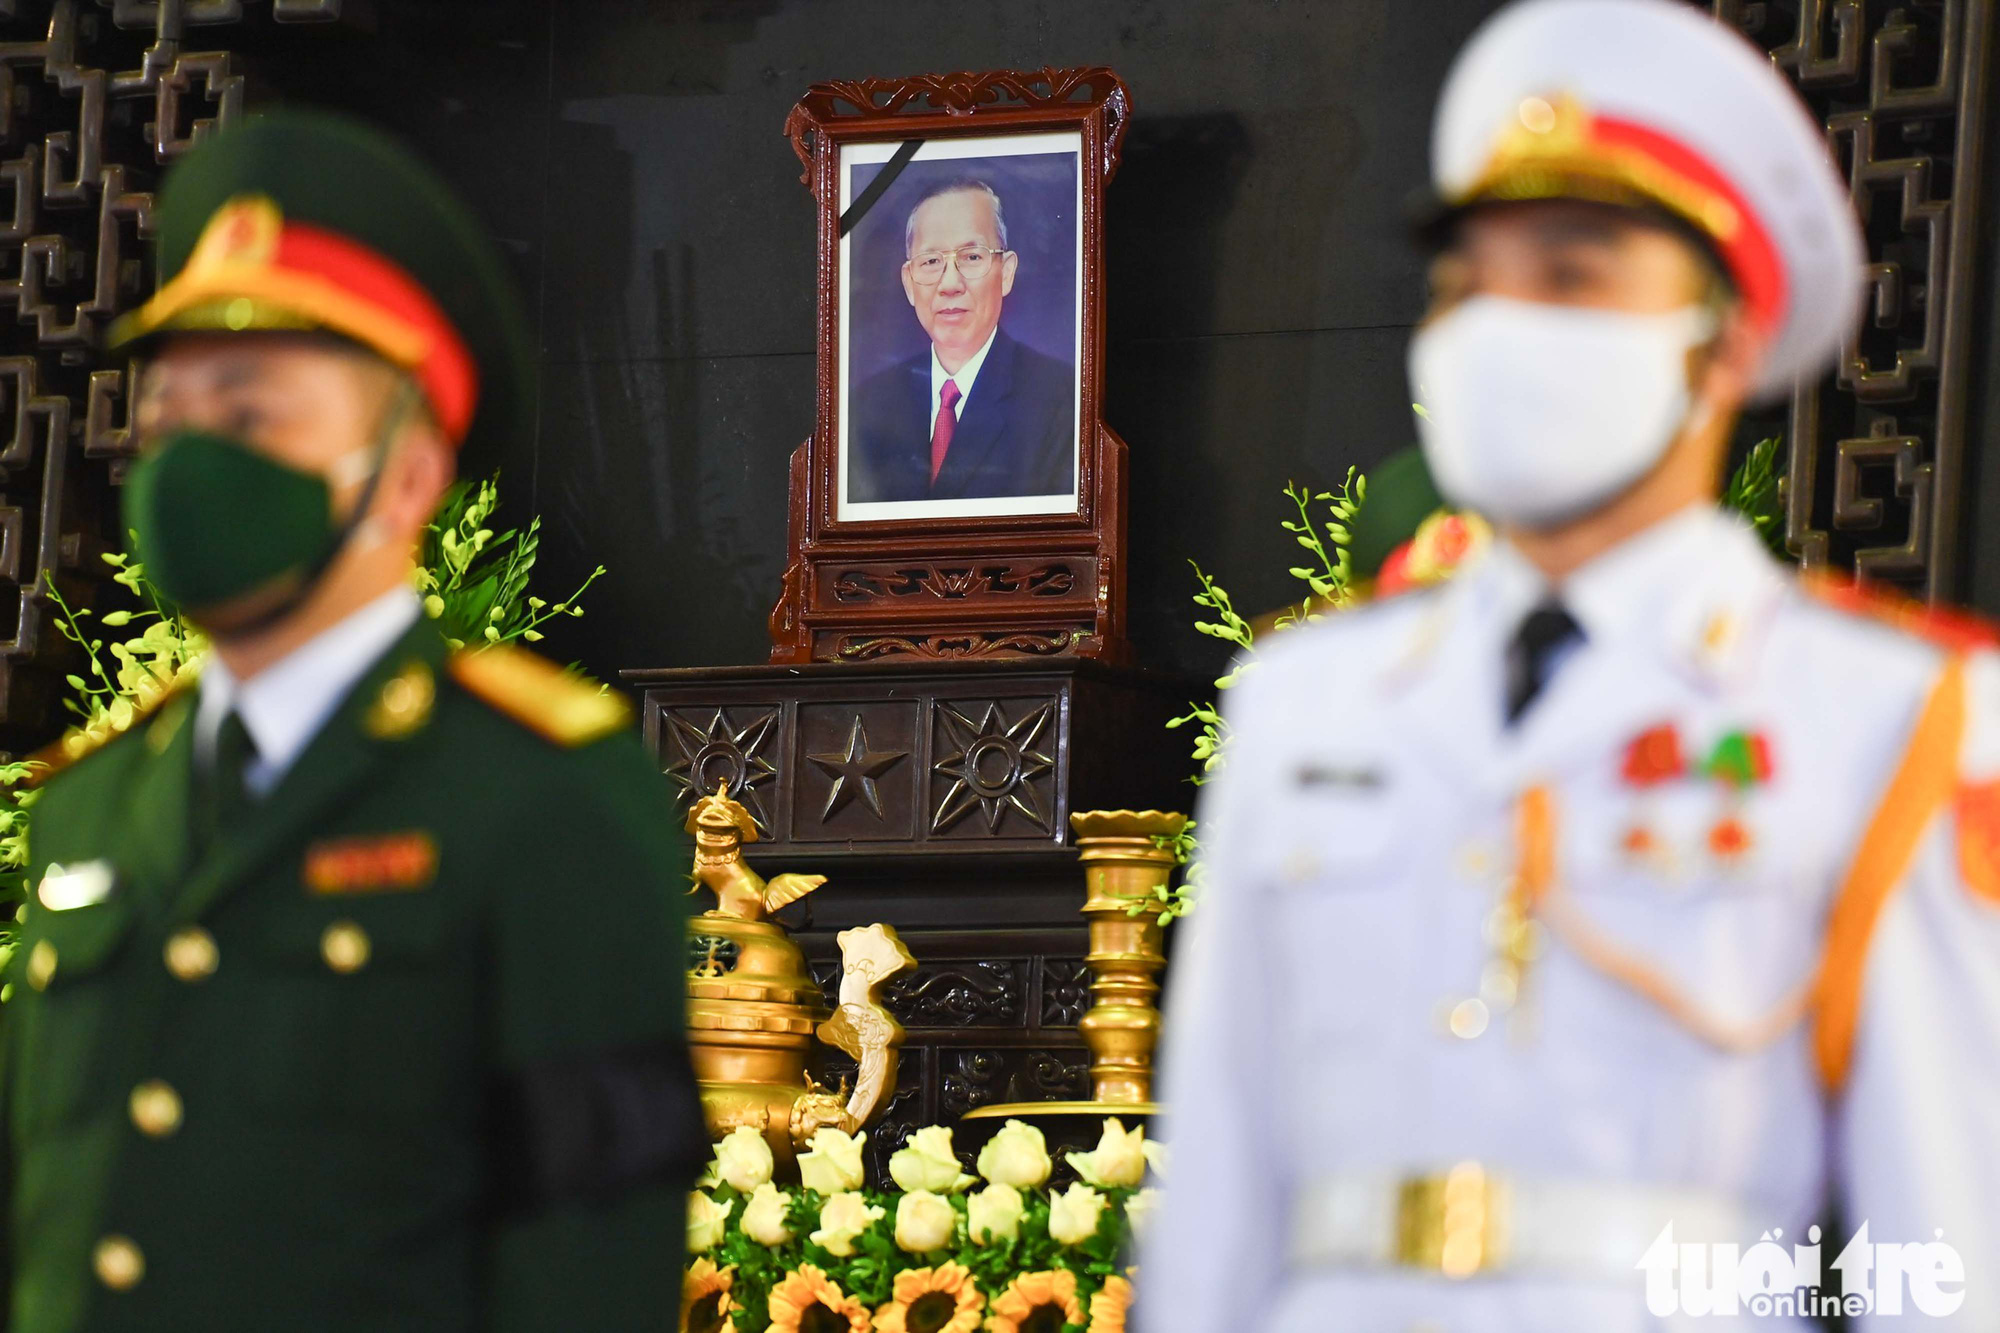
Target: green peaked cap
{"x": 1401, "y": 495}
{"x": 345, "y": 177}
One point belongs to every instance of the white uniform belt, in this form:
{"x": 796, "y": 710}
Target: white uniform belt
{"x": 1469, "y": 1220}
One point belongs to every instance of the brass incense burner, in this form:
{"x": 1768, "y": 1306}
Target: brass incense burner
{"x": 753, "y": 1008}
{"x": 1125, "y": 866}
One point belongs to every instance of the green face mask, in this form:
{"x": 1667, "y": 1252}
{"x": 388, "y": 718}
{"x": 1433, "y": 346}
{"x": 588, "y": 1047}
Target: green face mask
{"x": 216, "y": 520}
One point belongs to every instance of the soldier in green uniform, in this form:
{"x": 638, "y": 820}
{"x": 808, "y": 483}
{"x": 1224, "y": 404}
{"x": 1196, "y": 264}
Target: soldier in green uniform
{"x": 349, "y": 992}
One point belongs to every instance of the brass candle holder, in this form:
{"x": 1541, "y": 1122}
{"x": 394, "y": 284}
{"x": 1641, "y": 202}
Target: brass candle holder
{"x": 1125, "y": 866}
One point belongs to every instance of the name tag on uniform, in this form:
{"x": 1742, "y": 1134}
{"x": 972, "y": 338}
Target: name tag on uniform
{"x": 375, "y": 863}
{"x": 1351, "y": 777}
{"x": 84, "y": 884}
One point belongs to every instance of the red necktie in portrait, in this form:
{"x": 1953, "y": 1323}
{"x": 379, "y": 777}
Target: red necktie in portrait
{"x": 947, "y": 421}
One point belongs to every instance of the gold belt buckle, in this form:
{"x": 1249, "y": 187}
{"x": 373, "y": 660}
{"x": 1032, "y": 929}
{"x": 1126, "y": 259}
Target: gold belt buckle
{"x": 1453, "y": 1224}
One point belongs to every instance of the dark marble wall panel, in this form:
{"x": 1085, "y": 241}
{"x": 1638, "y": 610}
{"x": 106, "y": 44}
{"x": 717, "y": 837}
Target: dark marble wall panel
{"x": 1260, "y": 286}
{"x": 1226, "y": 421}
{"x": 672, "y": 474}
{"x": 1272, "y": 153}
{"x": 465, "y": 81}
{"x": 628, "y": 154}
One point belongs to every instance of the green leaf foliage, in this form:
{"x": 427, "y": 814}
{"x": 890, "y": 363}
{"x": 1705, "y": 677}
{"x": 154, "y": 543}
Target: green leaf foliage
{"x": 1756, "y": 491}
{"x": 475, "y": 580}
{"x": 1320, "y": 525}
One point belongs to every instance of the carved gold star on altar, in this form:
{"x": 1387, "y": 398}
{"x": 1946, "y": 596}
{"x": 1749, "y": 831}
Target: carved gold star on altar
{"x": 855, "y": 771}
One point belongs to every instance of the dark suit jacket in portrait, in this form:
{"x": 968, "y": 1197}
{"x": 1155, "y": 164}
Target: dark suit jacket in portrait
{"x": 1015, "y": 434}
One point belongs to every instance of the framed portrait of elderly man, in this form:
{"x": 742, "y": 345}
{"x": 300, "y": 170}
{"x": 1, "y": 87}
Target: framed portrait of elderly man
{"x": 961, "y": 328}
{"x": 961, "y": 496}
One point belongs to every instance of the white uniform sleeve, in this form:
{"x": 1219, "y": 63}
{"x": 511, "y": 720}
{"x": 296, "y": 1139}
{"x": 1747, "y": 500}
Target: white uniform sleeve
{"x": 1918, "y": 1149}
{"x": 1212, "y": 1254}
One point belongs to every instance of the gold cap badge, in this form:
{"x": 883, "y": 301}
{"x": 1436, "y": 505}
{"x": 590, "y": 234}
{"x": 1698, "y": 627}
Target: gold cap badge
{"x": 244, "y": 231}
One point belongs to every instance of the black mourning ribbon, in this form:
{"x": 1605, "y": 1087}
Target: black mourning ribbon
{"x": 592, "y": 1129}
{"x": 1532, "y": 654}
{"x": 858, "y": 208}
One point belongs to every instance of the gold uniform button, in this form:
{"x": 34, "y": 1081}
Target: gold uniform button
{"x": 191, "y": 954}
{"x": 41, "y": 964}
{"x": 118, "y": 1262}
{"x": 156, "y": 1108}
{"x": 1468, "y": 1019}
{"x": 345, "y": 947}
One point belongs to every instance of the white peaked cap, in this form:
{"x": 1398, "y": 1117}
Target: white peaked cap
{"x": 1651, "y": 103}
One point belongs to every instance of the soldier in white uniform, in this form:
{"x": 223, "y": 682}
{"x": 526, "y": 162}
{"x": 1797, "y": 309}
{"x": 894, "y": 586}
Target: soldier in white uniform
{"x": 1624, "y": 882}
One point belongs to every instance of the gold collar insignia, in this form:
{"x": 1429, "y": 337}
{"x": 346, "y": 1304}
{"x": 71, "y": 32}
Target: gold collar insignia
{"x": 404, "y": 704}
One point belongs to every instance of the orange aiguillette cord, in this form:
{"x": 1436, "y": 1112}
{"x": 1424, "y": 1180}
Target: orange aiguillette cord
{"x": 1537, "y": 893}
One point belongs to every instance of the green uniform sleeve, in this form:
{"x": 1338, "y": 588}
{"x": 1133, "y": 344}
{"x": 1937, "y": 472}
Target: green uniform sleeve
{"x": 596, "y": 1124}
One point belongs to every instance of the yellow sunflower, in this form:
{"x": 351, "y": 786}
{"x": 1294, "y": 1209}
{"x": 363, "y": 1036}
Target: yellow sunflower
{"x": 1108, "y": 1306}
{"x": 932, "y": 1300}
{"x": 1036, "y": 1303}
{"x": 808, "y": 1301}
{"x": 706, "y": 1300}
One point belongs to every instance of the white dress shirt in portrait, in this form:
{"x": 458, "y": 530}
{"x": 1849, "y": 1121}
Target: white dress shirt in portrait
{"x": 967, "y": 373}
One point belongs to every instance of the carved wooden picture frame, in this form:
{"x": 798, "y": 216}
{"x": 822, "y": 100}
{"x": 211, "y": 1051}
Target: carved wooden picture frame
{"x": 1008, "y": 540}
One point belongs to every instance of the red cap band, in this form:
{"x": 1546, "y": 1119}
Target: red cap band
{"x": 1746, "y": 248}
{"x": 444, "y": 369}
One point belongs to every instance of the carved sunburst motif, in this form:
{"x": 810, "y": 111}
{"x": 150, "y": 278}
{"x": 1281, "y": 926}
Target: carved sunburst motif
{"x": 992, "y": 766}
{"x": 723, "y": 752}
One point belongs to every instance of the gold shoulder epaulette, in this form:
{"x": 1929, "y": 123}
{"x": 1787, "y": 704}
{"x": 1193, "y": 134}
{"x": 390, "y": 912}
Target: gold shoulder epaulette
{"x": 80, "y": 743}
{"x": 1947, "y": 627}
{"x": 540, "y": 695}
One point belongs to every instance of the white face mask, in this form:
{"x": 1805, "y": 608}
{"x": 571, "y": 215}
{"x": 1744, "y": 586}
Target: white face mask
{"x": 1535, "y": 414}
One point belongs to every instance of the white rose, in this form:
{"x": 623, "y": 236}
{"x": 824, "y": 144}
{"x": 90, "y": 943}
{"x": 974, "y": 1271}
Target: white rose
{"x": 1017, "y": 1156}
{"x": 706, "y": 1220}
{"x": 834, "y": 1164}
{"x": 1073, "y": 1214}
{"x": 1138, "y": 1209}
{"x": 764, "y": 1215}
{"x": 841, "y": 1219}
{"x": 993, "y": 1216}
{"x": 925, "y": 1222}
{"x": 928, "y": 1163}
{"x": 1119, "y": 1161}
{"x": 710, "y": 1177}
{"x": 743, "y": 1159}
{"x": 1156, "y": 1157}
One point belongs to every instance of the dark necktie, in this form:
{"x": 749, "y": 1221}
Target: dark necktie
{"x": 1534, "y": 652}
{"x": 224, "y": 792}
{"x": 942, "y": 428}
